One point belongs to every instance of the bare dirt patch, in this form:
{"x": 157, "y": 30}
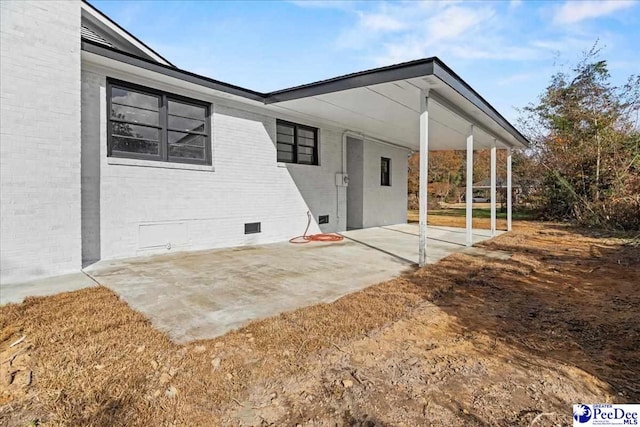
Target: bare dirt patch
{"x": 467, "y": 341}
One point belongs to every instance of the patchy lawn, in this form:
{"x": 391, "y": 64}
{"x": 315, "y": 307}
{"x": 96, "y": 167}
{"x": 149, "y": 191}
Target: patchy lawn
{"x": 468, "y": 341}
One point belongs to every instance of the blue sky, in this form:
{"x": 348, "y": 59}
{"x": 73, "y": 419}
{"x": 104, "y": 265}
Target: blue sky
{"x": 506, "y": 50}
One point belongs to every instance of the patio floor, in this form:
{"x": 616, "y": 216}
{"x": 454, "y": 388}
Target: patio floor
{"x": 203, "y": 294}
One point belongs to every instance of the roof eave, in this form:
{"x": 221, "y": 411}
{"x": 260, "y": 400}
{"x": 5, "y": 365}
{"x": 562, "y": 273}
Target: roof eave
{"x": 129, "y": 34}
{"x": 453, "y": 80}
{"x": 406, "y": 70}
{"x": 171, "y": 71}
{"x": 419, "y": 68}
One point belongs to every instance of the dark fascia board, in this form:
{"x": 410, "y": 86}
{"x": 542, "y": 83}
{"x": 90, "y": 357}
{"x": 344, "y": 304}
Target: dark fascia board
{"x": 405, "y": 70}
{"x": 126, "y": 32}
{"x": 171, "y": 71}
{"x": 447, "y": 75}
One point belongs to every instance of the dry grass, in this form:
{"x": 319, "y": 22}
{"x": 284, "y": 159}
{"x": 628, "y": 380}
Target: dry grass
{"x": 457, "y": 221}
{"x": 96, "y": 362}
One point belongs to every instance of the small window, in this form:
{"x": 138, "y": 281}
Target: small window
{"x": 385, "y": 171}
{"x": 252, "y": 228}
{"x": 323, "y": 219}
{"x": 153, "y": 125}
{"x": 297, "y": 143}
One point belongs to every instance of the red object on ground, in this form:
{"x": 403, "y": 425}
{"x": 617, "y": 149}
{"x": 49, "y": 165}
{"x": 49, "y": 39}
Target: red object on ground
{"x": 321, "y": 237}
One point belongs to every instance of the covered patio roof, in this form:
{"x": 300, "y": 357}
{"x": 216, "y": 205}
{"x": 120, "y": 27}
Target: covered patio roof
{"x": 385, "y": 103}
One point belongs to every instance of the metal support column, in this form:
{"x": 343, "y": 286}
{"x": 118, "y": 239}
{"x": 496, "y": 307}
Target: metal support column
{"x": 509, "y": 190}
{"x": 469, "y": 195}
{"x": 424, "y": 175}
{"x": 493, "y": 188}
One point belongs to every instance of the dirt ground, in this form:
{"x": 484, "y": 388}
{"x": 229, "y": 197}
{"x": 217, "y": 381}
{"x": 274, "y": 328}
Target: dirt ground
{"x": 468, "y": 341}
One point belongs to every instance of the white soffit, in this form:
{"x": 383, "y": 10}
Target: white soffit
{"x": 390, "y": 111}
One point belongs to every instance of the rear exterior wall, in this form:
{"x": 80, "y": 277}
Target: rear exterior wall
{"x": 149, "y": 207}
{"x": 384, "y": 205}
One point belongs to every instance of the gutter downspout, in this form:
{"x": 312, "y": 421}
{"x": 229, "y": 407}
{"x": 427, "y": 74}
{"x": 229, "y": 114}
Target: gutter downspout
{"x": 344, "y": 170}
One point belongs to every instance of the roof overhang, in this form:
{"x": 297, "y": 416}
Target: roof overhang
{"x": 104, "y": 55}
{"x": 383, "y": 103}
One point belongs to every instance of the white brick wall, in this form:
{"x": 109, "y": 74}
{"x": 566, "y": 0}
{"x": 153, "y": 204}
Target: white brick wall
{"x": 355, "y": 163}
{"x": 208, "y": 207}
{"x": 371, "y": 204}
{"x": 63, "y": 201}
{"x": 91, "y": 128}
{"x": 39, "y": 139}
{"x": 384, "y": 205}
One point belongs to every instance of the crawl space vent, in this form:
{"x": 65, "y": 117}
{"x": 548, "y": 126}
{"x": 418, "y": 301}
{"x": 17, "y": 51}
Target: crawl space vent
{"x": 323, "y": 219}
{"x": 252, "y": 228}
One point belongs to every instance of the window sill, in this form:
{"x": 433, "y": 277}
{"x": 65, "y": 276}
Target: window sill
{"x": 286, "y": 164}
{"x": 155, "y": 164}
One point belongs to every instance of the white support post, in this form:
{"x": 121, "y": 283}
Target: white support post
{"x": 424, "y": 176}
{"x": 493, "y": 188}
{"x": 509, "y": 191}
{"x": 469, "y": 196}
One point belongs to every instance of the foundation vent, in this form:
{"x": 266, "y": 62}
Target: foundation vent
{"x": 323, "y": 219}
{"x": 252, "y": 228}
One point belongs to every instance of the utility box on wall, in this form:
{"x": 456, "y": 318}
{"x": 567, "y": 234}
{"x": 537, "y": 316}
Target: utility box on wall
{"x": 342, "y": 179}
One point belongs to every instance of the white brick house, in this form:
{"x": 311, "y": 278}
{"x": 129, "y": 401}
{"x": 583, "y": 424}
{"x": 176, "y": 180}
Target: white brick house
{"x": 107, "y": 150}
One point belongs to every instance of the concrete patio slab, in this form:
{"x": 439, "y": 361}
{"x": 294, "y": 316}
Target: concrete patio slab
{"x": 402, "y": 240}
{"x": 204, "y": 294}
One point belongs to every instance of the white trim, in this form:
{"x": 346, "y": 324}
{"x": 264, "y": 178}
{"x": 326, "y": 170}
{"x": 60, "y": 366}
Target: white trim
{"x": 509, "y": 190}
{"x": 493, "y": 189}
{"x": 277, "y": 108}
{"x": 469, "y": 195}
{"x": 424, "y": 176}
{"x": 445, "y": 103}
{"x": 122, "y": 161}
